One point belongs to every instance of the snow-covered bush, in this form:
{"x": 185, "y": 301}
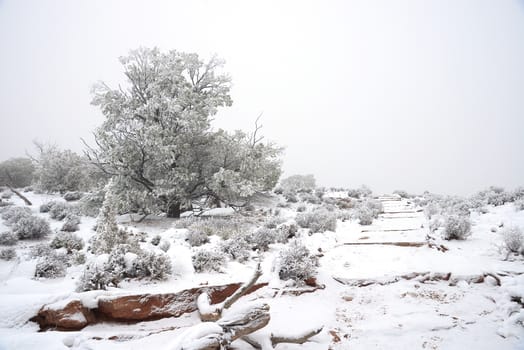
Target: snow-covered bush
{"x": 72, "y": 196}
{"x": 298, "y": 183}
{"x": 513, "y": 239}
{"x": 196, "y": 238}
{"x": 153, "y": 265}
{"x": 301, "y": 208}
{"x": 402, "y": 193}
{"x": 296, "y": 262}
{"x": 8, "y": 238}
{"x": 52, "y": 265}
{"x": 456, "y": 227}
{"x": 362, "y": 191}
{"x": 46, "y": 207}
{"x": 236, "y": 247}
{"x": 519, "y": 204}
{"x": 222, "y": 227}
{"x": 156, "y": 240}
{"x": 286, "y": 231}
{"x": 67, "y": 240}
{"x": 60, "y": 210}
{"x": 206, "y": 260}
{"x": 431, "y": 209}
{"x": 365, "y": 215}
{"x": 7, "y": 254}
{"x": 6, "y": 194}
{"x": 4, "y": 204}
{"x": 367, "y": 210}
{"x": 309, "y": 198}
{"x": 71, "y": 223}
{"x": 31, "y": 227}
{"x": 291, "y": 197}
{"x": 14, "y": 214}
{"x": 94, "y": 277}
{"x": 164, "y": 246}
{"x": 318, "y": 221}
{"x": 40, "y": 250}
{"x": 90, "y": 204}
{"x": 16, "y": 172}
{"x": 273, "y": 221}
{"x": 261, "y": 239}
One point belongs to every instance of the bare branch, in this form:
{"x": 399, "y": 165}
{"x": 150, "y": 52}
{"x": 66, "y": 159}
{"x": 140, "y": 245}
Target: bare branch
{"x": 243, "y": 290}
{"x": 295, "y": 340}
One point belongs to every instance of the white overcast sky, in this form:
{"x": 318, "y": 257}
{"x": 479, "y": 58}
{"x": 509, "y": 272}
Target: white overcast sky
{"x": 408, "y": 95}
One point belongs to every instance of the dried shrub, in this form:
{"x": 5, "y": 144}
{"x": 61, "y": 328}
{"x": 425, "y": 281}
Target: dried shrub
{"x": 205, "y": 260}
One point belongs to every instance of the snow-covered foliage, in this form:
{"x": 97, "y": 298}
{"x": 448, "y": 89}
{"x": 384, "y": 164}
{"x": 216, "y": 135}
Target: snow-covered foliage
{"x": 63, "y": 170}
{"x": 196, "y": 238}
{"x": 52, "y": 265}
{"x": 367, "y": 210}
{"x": 274, "y": 221}
{"x": 108, "y": 234}
{"x": 94, "y": 277}
{"x": 261, "y": 238}
{"x": 67, "y": 240}
{"x": 519, "y": 204}
{"x": 7, "y": 254}
{"x": 16, "y": 172}
{"x": 513, "y": 239}
{"x": 236, "y": 247}
{"x": 402, "y": 193}
{"x": 90, "y": 203}
{"x": 456, "y": 227}
{"x": 60, "y": 210}
{"x": 362, "y": 191}
{"x": 164, "y": 245}
{"x": 8, "y": 238}
{"x": 12, "y": 215}
{"x": 296, "y": 262}
{"x": 161, "y": 144}
{"x": 71, "y": 223}
{"x": 298, "y": 183}
{"x": 31, "y": 227}
{"x": 46, "y": 207}
{"x": 156, "y": 266}
{"x": 6, "y": 194}
{"x": 309, "y": 198}
{"x": 222, "y": 227}
{"x": 72, "y": 196}
{"x": 207, "y": 260}
{"x": 319, "y": 220}
{"x": 156, "y": 240}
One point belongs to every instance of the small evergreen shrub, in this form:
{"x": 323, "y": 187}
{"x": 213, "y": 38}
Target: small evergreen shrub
{"x": 8, "y": 238}
{"x": 93, "y": 278}
{"x": 67, "y": 240}
{"x": 7, "y": 254}
{"x": 456, "y": 227}
{"x": 53, "y": 265}
{"x": 205, "y": 260}
{"x": 71, "y": 223}
{"x": 91, "y": 203}
{"x": 273, "y": 222}
{"x": 31, "y": 227}
{"x": 13, "y": 214}
{"x": 60, "y": 210}
{"x": 236, "y": 247}
{"x": 261, "y": 239}
{"x": 318, "y": 221}
{"x": 46, "y": 207}
{"x": 196, "y": 238}
{"x": 72, "y": 196}
{"x": 296, "y": 263}
{"x": 513, "y": 239}
{"x": 152, "y": 265}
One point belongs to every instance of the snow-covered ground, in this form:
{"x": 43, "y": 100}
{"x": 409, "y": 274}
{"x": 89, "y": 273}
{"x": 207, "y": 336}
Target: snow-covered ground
{"x": 407, "y": 314}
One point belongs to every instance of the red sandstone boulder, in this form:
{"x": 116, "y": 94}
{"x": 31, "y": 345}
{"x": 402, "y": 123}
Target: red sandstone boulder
{"x": 72, "y": 317}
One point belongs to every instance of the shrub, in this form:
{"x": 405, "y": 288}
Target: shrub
{"x": 519, "y": 204}
{"x": 456, "y": 227}
{"x": 286, "y": 231}
{"x": 46, "y": 207}
{"x": 301, "y": 208}
{"x": 90, "y": 204}
{"x": 222, "y": 227}
{"x": 14, "y": 214}
{"x": 291, "y": 197}
{"x": 361, "y": 192}
{"x": 60, "y": 210}
{"x": 273, "y": 222}
{"x": 164, "y": 246}
{"x": 236, "y": 247}
{"x": 318, "y": 221}
{"x": 152, "y": 265}
{"x": 71, "y": 223}
{"x": 52, "y": 265}
{"x": 8, "y": 238}
{"x": 208, "y": 260}
{"x": 196, "y": 238}
{"x": 40, "y": 250}
{"x": 155, "y": 240}
{"x": 298, "y": 183}
{"x": 310, "y": 198}
{"x": 402, "y": 194}
{"x": 513, "y": 239}
{"x": 93, "y": 278}
{"x": 7, "y": 194}
{"x": 31, "y": 227}
{"x": 67, "y": 240}
{"x": 296, "y": 263}
{"x": 7, "y": 254}
{"x": 72, "y": 196}
{"x": 262, "y": 238}
{"x": 16, "y": 172}
{"x": 365, "y": 216}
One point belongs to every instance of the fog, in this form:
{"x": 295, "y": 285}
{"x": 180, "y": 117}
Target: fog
{"x": 414, "y": 95}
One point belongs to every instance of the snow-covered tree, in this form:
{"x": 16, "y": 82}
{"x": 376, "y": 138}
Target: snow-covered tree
{"x": 16, "y": 172}
{"x": 158, "y": 142}
{"x": 297, "y": 183}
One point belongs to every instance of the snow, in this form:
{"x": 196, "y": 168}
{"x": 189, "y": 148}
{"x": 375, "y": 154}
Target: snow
{"x": 406, "y": 314}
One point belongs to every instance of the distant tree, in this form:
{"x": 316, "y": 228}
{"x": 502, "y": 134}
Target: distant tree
{"x": 157, "y": 141}
{"x": 297, "y": 183}
{"x": 63, "y": 170}
{"x": 16, "y": 172}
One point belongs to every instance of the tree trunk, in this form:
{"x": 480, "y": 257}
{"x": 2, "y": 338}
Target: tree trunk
{"x": 173, "y": 210}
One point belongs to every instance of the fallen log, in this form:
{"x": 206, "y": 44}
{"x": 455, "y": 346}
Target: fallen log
{"x": 21, "y": 196}
{"x": 398, "y": 244}
{"x": 422, "y": 277}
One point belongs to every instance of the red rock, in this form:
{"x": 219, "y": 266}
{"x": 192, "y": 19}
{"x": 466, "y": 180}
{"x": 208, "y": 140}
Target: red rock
{"x": 73, "y": 317}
